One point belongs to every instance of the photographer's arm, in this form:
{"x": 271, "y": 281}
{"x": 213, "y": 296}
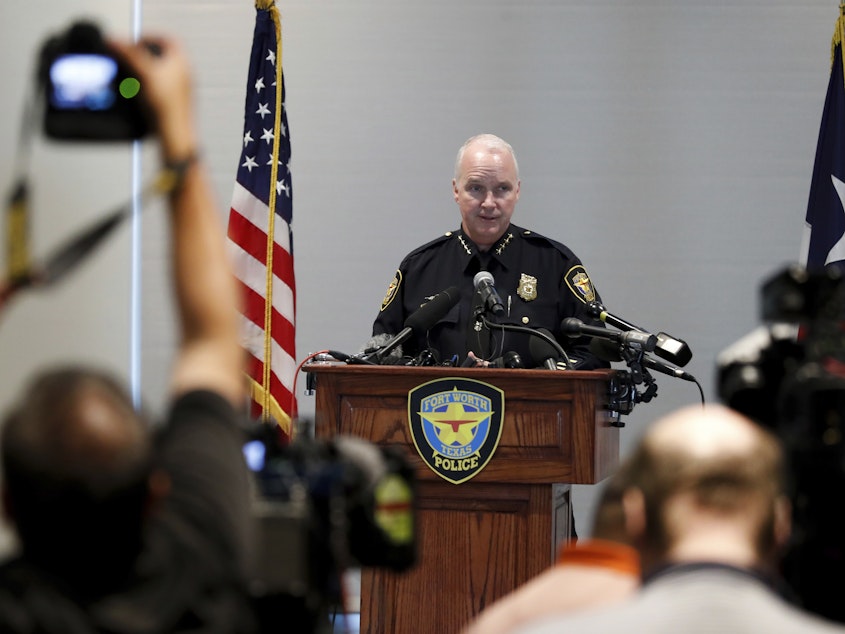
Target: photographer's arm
{"x": 210, "y": 356}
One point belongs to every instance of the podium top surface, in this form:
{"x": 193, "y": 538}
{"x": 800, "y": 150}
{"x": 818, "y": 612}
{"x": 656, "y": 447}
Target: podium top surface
{"x": 435, "y": 371}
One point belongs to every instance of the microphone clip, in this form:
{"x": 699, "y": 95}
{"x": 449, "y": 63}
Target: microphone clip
{"x": 639, "y": 374}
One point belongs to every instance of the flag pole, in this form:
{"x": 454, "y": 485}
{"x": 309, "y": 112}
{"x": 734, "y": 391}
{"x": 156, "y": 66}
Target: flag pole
{"x": 260, "y": 230}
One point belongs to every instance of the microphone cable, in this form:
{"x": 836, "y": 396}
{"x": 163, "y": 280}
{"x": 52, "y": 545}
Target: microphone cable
{"x": 533, "y": 333}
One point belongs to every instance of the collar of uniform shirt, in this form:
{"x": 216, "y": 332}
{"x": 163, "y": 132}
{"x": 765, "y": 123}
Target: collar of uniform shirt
{"x": 497, "y": 250}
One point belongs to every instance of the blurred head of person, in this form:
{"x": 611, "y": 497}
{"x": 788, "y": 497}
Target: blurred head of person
{"x": 708, "y": 485}
{"x": 77, "y": 462}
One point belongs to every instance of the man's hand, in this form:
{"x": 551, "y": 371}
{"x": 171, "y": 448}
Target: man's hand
{"x": 479, "y": 363}
{"x": 166, "y": 87}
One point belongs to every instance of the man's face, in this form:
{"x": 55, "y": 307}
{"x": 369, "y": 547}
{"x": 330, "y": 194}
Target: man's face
{"x": 486, "y": 190}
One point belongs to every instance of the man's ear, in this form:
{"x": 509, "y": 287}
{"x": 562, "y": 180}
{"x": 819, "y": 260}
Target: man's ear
{"x": 158, "y": 488}
{"x": 783, "y": 522}
{"x": 633, "y": 506}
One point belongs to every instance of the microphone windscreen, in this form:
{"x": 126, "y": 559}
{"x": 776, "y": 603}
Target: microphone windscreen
{"x": 594, "y": 309}
{"x": 377, "y": 341}
{"x": 482, "y": 276}
{"x": 433, "y": 311}
{"x": 605, "y": 350}
{"x": 512, "y": 359}
{"x": 541, "y": 349}
{"x": 571, "y": 326}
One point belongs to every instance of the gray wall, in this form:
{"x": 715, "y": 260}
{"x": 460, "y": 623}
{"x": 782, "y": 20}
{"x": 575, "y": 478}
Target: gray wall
{"x": 670, "y": 144}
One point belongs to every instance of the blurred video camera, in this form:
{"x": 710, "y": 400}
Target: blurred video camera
{"x": 323, "y": 507}
{"x": 789, "y": 376}
{"x": 89, "y": 93}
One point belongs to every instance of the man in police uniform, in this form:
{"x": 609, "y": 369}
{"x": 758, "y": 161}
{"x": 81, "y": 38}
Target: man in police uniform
{"x": 540, "y": 281}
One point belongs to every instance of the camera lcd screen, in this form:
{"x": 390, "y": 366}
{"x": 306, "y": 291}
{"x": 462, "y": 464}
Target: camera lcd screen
{"x": 83, "y": 82}
{"x": 255, "y": 454}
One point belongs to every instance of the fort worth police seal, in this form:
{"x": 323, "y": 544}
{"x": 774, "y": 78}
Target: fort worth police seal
{"x": 456, "y": 425}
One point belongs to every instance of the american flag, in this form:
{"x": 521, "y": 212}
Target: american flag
{"x": 824, "y": 234}
{"x": 260, "y": 229}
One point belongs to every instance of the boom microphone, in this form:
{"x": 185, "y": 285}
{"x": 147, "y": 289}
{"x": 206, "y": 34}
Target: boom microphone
{"x": 598, "y": 311}
{"x": 633, "y": 339}
{"x": 421, "y": 320}
{"x": 667, "y": 347}
{"x": 483, "y": 282}
{"x": 608, "y": 351}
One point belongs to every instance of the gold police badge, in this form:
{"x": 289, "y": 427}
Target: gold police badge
{"x": 527, "y": 288}
{"x": 580, "y": 285}
{"x": 391, "y": 290}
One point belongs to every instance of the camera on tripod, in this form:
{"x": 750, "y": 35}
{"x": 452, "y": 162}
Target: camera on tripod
{"x": 89, "y": 93}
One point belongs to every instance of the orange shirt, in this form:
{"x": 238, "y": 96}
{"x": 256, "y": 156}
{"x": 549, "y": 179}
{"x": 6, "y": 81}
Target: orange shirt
{"x": 601, "y": 553}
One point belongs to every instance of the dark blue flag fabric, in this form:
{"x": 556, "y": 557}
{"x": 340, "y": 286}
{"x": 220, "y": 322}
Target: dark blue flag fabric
{"x": 824, "y": 239}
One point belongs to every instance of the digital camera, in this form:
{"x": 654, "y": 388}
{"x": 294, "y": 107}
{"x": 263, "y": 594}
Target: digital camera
{"x": 89, "y": 93}
{"x": 322, "y": 507}
{"x": 789, "y": 376}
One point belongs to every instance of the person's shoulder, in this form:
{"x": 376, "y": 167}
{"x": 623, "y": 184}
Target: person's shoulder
{"x": 31, "y": 601}
{"x": 542, "y": 241}
{"x": 432, "y": 245}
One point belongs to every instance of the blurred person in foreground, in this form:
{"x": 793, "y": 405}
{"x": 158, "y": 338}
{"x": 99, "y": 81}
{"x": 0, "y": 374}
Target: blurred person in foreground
{"x": 588, "y": 572}
{"x": 540, "y": 281}
{"x": 709, "y": 516}
{"x": 120, "y": 531}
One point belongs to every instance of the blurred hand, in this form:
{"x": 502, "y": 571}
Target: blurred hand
{"x": 163, "y": 70}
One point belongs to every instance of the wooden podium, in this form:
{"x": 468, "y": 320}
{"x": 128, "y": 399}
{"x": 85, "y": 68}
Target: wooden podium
{"x": 480, "y": 539}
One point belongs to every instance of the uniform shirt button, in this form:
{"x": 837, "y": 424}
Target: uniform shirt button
{"x": 525, "y": 320}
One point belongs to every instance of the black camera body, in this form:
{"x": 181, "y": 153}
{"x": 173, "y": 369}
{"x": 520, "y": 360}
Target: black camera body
{"x": 89, "y": 93}
{"x": 790, "y": 377}
{"x": 322, "y": 507}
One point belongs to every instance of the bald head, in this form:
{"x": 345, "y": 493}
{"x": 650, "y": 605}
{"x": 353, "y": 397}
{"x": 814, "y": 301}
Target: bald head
{"x": 709, "y": 469}
{"x": 707, "y": 434}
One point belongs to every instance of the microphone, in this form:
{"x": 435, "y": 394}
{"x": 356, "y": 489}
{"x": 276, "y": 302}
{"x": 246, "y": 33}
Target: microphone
{"x": 420, "y": 320}
{"x": 510, "y": 359}
{"x": 542, "y": 352}
{"x": 373, "y": 345}
{"x": 608, "y": 351}
{"x": 598, "y": 311}
{"x": 672, "y": 349}
{"x": 660, "y": 366}
{"x": 635, "y": 339}
{"x": 668, "y": 347}
{"x": 376, "y": 343}
{"x": 483, "y": 282}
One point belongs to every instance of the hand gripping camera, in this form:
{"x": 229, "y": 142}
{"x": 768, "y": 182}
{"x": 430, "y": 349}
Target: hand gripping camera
{"x": 89, "y": 93}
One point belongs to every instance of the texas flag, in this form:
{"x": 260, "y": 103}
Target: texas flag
{"x": 824, "y": 233}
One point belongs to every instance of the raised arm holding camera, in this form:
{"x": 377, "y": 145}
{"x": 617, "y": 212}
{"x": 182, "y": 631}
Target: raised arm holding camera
{"x": 121, "y": 531}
